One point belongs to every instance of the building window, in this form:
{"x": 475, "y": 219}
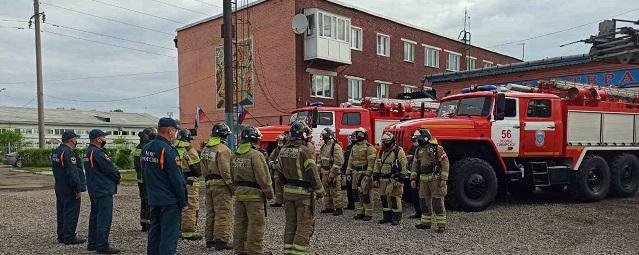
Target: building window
{"x": 453, "y": 61}
{"x": 470, "y": 63}
{"x": 383, "y": 90}
{"x": 488, "y": 64}
{"x": 333, "y": 27}
{"x": 356, "y": 38}
{"x": 325, "y": 118}
{"x": 311, "y": 25}
{"x": 431, "y": 57}
{"x": 409, "y": 51}
{"x": 409, "y": 89}
{"x": 321, "y": 86}
{"x": 354, "y": 89}
{"x": 352, "y": 119}
{"x": 383, "y": 45}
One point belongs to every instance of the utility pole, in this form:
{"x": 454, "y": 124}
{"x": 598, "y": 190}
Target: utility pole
{"x": 228, "y": 69}
{"x": 523, "y": 51}
{"x": 40, "y": 93}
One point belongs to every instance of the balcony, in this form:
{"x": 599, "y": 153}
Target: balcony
{"x": 327, "y": 38}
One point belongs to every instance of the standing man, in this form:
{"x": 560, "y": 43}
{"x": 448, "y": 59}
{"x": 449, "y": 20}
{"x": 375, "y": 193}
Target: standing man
{"x": 146, "y": 136}
{"x": 360, "y": 169}
{"x": 349, "y": 182}
{"x": 102, "y": 180}
{"x": 166, "y": 189}
{"x": 430, "y": 168}
{"x": 274, "y": 166}
{"x": 254, "y": 187}
{"x": 216, "y": 168}
{"x": 389, "y": 173}
{"x": 331, "y": 160}
{"x": 189, "y": 162}
{"x": 414, "y": 191}
{"x": 302, "y": 184}
{"x": 70, "y": 182}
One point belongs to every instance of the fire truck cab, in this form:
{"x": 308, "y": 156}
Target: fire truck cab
{"x": 516, "y": 139}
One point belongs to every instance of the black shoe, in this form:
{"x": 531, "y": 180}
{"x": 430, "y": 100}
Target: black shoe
{"x": 60, "y": 241}
{"x": 422, "y": 226}
{"x": 221, "y": 246}
{"x": 109, "y": 250}
{"x": 367, "y": 218}
{"x": 210, "y": 244}
{"x": 91, "y": 249}
{"x": 386, "y": 218}
{"x": 415, "y": 216}
{"x": 350, "y": 207}
{"x": 145, "y": 228}
{"x": 75, "y": 241}
{"x": 440, "y": 229}
{"x": 359, "y": 217}
{"x": 338, "y": 212}
{"x": 395, "y": 218}
{"x": 328, "y": 210}
{"x": 276, "y": 205}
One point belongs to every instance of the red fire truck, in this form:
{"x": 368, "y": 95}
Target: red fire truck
{"x": 516, "y": 139}
{"x": 372, "y": 114}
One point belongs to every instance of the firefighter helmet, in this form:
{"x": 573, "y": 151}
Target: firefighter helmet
{"x": 184, "y": 134}
{"x": 281, "y": 139}
{"x": 147, "y": 134}
{"x": 250, "y": 135}
{"x": 299, "y": 131}
{"x": 220, "y": 130}
{"x": 423, "y": 136}
{"x": 361, "y": 134}
{"x": 388, "y": 139}
{"x": 328, "y": 133}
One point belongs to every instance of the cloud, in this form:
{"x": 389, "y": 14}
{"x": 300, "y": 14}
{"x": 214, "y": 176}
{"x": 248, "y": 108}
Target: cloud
{"x": 493, "y": 22}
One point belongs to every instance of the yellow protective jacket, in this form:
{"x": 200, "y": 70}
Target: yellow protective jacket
{"x": 189, "y": 159}
{"x": 331, "y": 157}
{"x": 250, "y": 175}
{"x": 216, "y": 163}
{"x": 389, "y": 160}
{"x": 298, "y": 171}
{"x": 362, "y": 158}
{"x": 430, "y": 163}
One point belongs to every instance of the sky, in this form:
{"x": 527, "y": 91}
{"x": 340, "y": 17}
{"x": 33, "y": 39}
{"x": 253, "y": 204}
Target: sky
{"x": 97, "y": 56}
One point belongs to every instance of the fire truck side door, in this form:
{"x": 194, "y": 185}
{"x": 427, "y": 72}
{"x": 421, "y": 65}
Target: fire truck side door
{"x": 540, "y": 128}
{"x": 324, "y": 119}
{"x": 505, "y": 133}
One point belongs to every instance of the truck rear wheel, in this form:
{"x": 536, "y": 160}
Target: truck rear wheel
{"x": 472, "y": 185}
{"x": 592, "y": 181}
{"x": 624, "y": 179}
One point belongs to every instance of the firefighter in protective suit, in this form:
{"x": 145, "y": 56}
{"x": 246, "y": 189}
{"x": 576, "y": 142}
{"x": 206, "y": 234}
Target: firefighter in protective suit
{"x": 389, "y": 174}
{"x": 216, "y": 168}
{"x": 274, "y": 166}
{"x": 189, "y": 162}
{"x": 359, "y": 171}
{"x": 301, "y": 185}
{"x": 331, "y": 160}
{"x": 253, "y": 187}
{"x": 430, "y": 168}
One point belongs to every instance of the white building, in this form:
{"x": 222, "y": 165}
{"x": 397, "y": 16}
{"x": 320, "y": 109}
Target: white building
{"x": 116, "y": 124}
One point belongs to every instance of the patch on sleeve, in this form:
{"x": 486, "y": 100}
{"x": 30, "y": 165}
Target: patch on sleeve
{"x": 443, "y": 156}
{"x": 107, "y": 157}
{"x": 74, "y": 160}
{"x": 177, "y": 158}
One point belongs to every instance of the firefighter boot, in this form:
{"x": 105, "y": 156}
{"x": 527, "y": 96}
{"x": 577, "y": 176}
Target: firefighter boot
{"x": 387, "y": 217}
{"x": 338, "y": 212}
{"x": 328, "y": 210}
{"x": 220, "y": 245}
{"x": 395, "y": 218}
{"x": 440, "y": 229}
{"x": 358, "y": 217}
{"x": 367, "y": 218}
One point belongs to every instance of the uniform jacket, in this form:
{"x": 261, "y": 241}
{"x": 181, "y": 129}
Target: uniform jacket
{"x": 362, "y": 154}
{"x": 102, "y": 175}
{"x": 331, "y": 156}
{"x": 69, "y": 178}
{"x": 163, "y": 179}
{"x": 298, "y": 167}
{"x": 249, "y": 166}
{"x": 273, "y": 161}
{"x": 386, "y": 160}
{"x": 216, "y": 161}
{"x": 189, "y": 159}
{"x": 347, "y": 155}
{"x": 136, "y": 160}
{"x": 427, "y": 156}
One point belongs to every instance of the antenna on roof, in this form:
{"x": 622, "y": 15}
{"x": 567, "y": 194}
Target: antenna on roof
{"x": 465, "y": 37}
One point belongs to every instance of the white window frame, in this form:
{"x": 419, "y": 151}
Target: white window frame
{"x": 360, "y": 84}
{"x": 359, "y": 44}
{"x": 471, "y": 59}
{"x": 314, "y": 92}
{"x": 382, "y": 84}
{"x": 458, "y": 67}
{"x": 437, "y": 57}
{"x": 412, "y": 45}
{"x": 333, "y": 29}
{"x": 387, "y": 46}
{"x": 488, "y": 63}
{"x": 409, "y": 87}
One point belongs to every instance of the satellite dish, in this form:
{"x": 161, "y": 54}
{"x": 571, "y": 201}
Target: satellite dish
{"x": 300, "y": 24}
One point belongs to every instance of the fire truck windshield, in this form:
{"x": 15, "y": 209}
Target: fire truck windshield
{"x": 472, "y": 106}
{"x": 301, "y": 116}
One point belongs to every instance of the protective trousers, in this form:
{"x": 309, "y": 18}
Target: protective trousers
{"x": 278, "y": 188}
{"x": 299, "y": 227}
{"x": 100, "y": 222}
{"x": 144, "y": 206}
{"x": 189, "y": 214}
{"x": 391, "y": 192}
{"x": 333, "y": 198}
{"x": 219, "y": 212}
{"x": 362, "y": 185}
{"x": 68, "y": 211}
{"x": 250, "y": 224}
{"x": 431, "y": 197}
{"x": 165, "y": 230}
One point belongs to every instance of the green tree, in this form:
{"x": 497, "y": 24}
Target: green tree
{"x": 11, "y": 139}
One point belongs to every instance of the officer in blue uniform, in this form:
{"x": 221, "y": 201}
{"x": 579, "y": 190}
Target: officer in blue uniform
{"x": 102, "y": 180}
{"x": 69, "y": 184}
{"x": 166, "y": 189}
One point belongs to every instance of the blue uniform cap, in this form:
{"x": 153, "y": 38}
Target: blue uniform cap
{"x": 96, "y": 133}
{"x": 167, "y": 122}
{"x": 68, "y": 135}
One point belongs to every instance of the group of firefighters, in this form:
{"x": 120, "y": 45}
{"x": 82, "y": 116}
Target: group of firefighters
{"x": 238, "y": 184}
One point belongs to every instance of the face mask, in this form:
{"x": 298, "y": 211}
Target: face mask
{"x": 104, "y": 142}
{"x": 415, "y": 144}
{"x": 280, "y": 144}
{"x": 422, "y": 142}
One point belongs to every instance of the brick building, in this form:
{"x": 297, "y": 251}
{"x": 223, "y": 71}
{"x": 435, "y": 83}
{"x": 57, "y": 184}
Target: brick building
{"x": 577, "y": 68}
{"x": 346, "y": 53}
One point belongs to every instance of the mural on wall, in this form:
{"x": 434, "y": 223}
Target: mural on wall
{"x": 244, "y": 90}
{"x": 621, "y": 78}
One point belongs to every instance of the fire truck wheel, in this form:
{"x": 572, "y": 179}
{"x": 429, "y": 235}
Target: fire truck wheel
{"x": 624, "y": 179}
{"x": 592, "y": 181}
{"x": 472, "y": 185}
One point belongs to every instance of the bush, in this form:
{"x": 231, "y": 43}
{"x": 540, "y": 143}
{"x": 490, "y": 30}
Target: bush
{"x": 36, "y": 157}
{"x": 123, "y": 159}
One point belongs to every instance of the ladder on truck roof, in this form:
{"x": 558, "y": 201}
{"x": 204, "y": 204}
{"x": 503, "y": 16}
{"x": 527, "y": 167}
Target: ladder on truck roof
{"x": 572, "y": 90}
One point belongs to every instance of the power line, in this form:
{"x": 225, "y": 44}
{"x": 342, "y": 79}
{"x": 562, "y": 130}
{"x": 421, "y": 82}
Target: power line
{"x": 13, "y": 27}
{"x": 109, "y": 44}
{"x": 560, "y": 31}
{"x": 93, "y": 77}
{"x": 139, "y": 12}
{"x": 110, "y": 36}
{"x": 207, "y": 3}
{"x": 180, "y": 7}
{"x": 13, "y": 20}
{"x": 109, "y": 19}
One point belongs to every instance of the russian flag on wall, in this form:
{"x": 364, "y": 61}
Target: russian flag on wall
{"x": 199, "y": 115}
{"x": 241, "y": 113}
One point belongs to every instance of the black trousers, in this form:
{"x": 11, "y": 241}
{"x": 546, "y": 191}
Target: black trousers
{"x": 145, "y": 218}
{"x": 349, "y": 194}
{"x": 100, "y": 222}
{"x": 68, "y": 212}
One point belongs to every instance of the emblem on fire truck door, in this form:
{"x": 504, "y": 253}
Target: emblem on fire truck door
{"x": 540, "y": 138}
